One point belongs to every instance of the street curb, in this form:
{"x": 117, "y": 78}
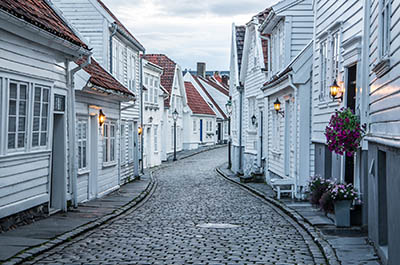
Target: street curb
{"x": 199, "y": 152}
{"x": 315, "y": 233}
{"x": 30, "y": 253}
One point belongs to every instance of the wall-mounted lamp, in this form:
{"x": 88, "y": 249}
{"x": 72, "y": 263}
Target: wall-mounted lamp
{"x": 335, "y": 91}
{"x": 228, "y": 107}
{"x": 102, "y": 117}
{"x": 277, "y": 107}
{"x": 253, "y": 119}
{"x": 140, "y": 130}
{"x": 150, "y": 119}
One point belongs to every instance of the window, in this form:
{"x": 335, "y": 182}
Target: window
{"x": 123, "y": 144}
{"x": 155, "y": 138}
{"x": 132, "y": 73}
{"x": 109, "y": 142}
{"x": 40, "y": 116}
{"x": 276, "y": 131}
{"x": 151, "y": 94}
{"x": 251, "y": 111}
{"x": 114, "y": 58}
{"x": 323, "y": 52}
{"x": 194, "y": 125}
{"x": 121, "y": 64}
{"x": 156, "y": 94}
{"x": 130, "y": 142}
{"x": 277, "y": 43}
{"x": 146, "y": 95}
{"x": 82, "y": 133}
{"x": 335, "y": 55}
{"x": 384, "y": 28}
{"x": 17, "y": 113}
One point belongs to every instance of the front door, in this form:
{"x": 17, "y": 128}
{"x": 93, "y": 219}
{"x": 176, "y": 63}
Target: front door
{"x": 350, "y": 103}
{"x": 58, "y": 176}
{"x": 93, "y": 156}
{"x": 219, "y": 132}
{"x": 201, "y": 130}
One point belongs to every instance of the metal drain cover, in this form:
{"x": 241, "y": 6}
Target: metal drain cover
{"x": 214, "y": 225}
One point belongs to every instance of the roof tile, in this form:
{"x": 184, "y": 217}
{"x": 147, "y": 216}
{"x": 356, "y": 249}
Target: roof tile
{"x": 196, "y": 102}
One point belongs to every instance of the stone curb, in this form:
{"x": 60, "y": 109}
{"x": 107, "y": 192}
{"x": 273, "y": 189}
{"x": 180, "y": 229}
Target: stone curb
{"x": 315, "y": 233}
{"x": 201, "y": 151}
{"x": 34, "y": 251}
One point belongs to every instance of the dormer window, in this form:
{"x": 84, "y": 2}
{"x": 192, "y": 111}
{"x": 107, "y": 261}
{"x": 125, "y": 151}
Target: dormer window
{"x": 277, "y": 59}
{"x": 384, "y": 29}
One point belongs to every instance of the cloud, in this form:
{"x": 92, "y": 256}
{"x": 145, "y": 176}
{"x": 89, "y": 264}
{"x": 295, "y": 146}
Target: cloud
{"x": 187, "y": 31}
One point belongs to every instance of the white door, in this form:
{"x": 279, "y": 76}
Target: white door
{"x": 93, "y": 156}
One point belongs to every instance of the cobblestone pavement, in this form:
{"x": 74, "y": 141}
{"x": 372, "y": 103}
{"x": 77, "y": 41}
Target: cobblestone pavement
{"x": 165, "y": 229}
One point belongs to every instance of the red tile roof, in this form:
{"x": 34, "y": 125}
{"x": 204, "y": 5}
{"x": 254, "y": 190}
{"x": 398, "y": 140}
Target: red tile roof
{"x": 240, "y": 32}
{"x": 212, "y": 83}
{"x": 196, "y": 78}
{"x": 102, "y": 78}
{"x": 40, "y": 14}
{"x": 117, "y": 21}
{"x": 167, "y": 78}
{"x": 196, "y": 102}
{"x": 264, "y": 44}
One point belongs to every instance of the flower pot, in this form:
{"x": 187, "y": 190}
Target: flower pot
{"x": 342, "y": 213}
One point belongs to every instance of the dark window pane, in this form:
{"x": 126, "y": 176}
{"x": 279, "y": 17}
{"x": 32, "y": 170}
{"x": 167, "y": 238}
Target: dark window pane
{"x": 79, "y": 155}
{"x": 43, "y": 139}
{"x": 22, "y": 91}
{"x": 45, "y": 110}
{"x": 13, "y": 90}
{"x": 13, "y": 107}
{"x": 22, "y": 108}
{"x": 12, "y": 127}
{"x": 84, "y": 129}
{"x": 21, "y": 140}
{"x": 36, "y": 110}
{"x": 11, "y": 140}
{"x": 38, "y": 92}
{"x": 84, "y": 154}
{"x": 45, "y": 95}
{"x": 35, "y": 139}
{"x": 21, "y": 124}
{"x": 36, "y": 124}
{"x": 44, "y": 124}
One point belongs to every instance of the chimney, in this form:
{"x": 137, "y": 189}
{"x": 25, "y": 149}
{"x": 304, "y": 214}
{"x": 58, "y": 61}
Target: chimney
{"x": 225, "y": 80}
{"x": 201, "y": 69}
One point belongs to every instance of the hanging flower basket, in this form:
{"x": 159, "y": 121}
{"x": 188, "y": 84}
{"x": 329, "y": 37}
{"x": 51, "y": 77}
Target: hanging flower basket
{"x": 344, "y": 132}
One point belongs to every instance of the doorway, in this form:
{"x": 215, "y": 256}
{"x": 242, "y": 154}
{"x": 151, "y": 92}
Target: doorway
{"x": 350, "y": 103}
{"x": 93, "y": 156}
{"x": 148, "y": 147}
{"x": 219, "y": 132}
{"x": 58, "y": 176}
{"x": 201, "y": 130}
{"x": 382, "y": 200}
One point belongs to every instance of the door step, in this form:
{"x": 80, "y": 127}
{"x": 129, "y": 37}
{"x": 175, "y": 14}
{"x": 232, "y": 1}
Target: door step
{"x": 53, "y": 211}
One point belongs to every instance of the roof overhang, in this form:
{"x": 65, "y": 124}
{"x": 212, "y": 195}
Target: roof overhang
{"x": 126, "y": 35}
{"x": 90, "y": 88}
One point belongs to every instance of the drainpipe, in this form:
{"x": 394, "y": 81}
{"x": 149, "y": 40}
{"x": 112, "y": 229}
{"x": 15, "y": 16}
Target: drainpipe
{"x": 295, "y": 128}
{"x": 114, "y": 28}
{"x": 141, "y": 113}
{"x": 240, "y": 89}
{"x": 72, "y": 131}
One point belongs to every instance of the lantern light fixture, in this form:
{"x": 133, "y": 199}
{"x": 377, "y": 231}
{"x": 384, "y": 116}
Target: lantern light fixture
{"x": 175, "y": 115}
{"x": 335, "y": 91}
{"x": 102, "y": 117}
{"x": 140, "y": 130}
{"x": 228, "y": 107}
{"x": 253, "y": 119}
{"x": 277, "y": 107}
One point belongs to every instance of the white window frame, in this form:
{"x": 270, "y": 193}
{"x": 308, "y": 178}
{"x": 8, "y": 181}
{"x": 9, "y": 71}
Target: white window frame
{"x": 81, "y": 141}
{"x": 42, "y": 110}
{"x": 194, "y": 125}
{"x": 109, "y": 143}
{"x": 276, "y": 131}
{"x": 155, "y": 136}
{"x": 384, "y": 28}
{"x": 130, "y": 141}
{"x": 251, "y": 107}
{"x": 123, "y": 142}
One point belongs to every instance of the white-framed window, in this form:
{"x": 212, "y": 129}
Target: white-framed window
{"x": 323, "y": 53}
{"x": 123, "y": 144}
{"x": 40, "y": 116}
{"x": 277, "y": 59}
{"x": 276, "y": 131}
{"x": 194, "y": 125}
{"x": 146, "y": 95}
{"x": 132, "y": 72}
{"x": 130, "y": 142}
{"x": 151, "y": 94}
{"x": 115, "y": 52}
{"x": 384, "y": 28}
{"x": 109, "y": 142}
{"x": 121, "y": 63}
{"x": 251, "y": 111}
{"x": 82, "y": 138}
{"x": 172, "y": 137}
{"x": 156, "y": 88}
{"x": 155, "y": 135}
{"x": 17, "y": 115}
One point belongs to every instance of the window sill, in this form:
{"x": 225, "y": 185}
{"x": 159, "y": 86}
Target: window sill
{"x": 382, "y": 67}
{"x": 83, "y": 171}
{"x": 109, "y": 164}
{"x": 275, "y": 152}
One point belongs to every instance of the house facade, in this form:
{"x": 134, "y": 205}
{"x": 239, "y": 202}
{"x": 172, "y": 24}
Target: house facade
{"x": 287, "y": 138}
{"x": 36, "y": 97}
{"x": 153, "y": 111}
{"x": 199, "y": 122}
{"x": 118, "y": 51}
{"x": 236, "y": 94}
{"x": 172, "y": 82}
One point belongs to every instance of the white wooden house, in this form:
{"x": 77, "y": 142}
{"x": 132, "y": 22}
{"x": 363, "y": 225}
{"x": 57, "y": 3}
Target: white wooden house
{"x": 172, "y": 82}
{"x": 116, "y": 50}
{"x": 236, "y": 94}
{"x": 289, "y": 30}
{"x": 380, "y": 171}
{"x": 99, "y": 152}
{"x": 153, "y": 111}
{"x": 253, "y": 74}
{"x": 200, "y": 120}
{"x": 36, "y": 107}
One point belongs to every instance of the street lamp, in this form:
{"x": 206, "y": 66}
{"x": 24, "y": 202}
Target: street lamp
{"x": 335, "y": 91}
{"x": 228, "y": 106}
{"x": 277, "y": 107}
{"x": 175, "y": 117}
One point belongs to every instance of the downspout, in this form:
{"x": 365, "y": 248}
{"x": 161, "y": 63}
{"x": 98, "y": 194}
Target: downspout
{"x": 295, "y": 129}
{"x": 72, "y": 130}
{"x": 114, "y": 28}
{"x": 141, "y": 113}
{"x": 240, "y": 88}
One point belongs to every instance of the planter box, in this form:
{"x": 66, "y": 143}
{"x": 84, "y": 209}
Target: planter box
{"x": 342, "y": 213}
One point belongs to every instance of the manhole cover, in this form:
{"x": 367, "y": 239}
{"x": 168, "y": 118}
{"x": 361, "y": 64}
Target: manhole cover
{"x": 212, "y": 225}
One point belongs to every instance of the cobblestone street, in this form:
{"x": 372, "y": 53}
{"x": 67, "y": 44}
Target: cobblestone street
{"x": 171, "y": 227}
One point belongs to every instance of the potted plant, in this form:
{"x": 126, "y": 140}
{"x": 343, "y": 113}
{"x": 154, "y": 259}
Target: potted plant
{"x": 317, "y": 186}
{"x": 344, "y": 132}
{"x": 343, "y": 197}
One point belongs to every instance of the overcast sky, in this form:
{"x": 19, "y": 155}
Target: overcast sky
{"x": 187, "y": 31}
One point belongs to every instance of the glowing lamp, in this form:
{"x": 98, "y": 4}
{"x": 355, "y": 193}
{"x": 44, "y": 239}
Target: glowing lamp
{"x": 102, "y": 117}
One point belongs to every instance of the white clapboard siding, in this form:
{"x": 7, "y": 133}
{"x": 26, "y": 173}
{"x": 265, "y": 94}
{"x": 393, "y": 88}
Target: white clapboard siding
{"x": 83, "y": 185}
{"x": 329, "y": 12}
{"x": 384, "y": 91}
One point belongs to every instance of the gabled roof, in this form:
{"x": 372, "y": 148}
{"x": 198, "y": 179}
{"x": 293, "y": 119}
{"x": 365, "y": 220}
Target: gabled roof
{"x": 214, "y": 84}
{"x": 99, "y": 77}
{"x": 167, "y": 78}
{"x": 197, "y": 79}
{"x": 240, "y": 32}
{"x": 196, "y": 102}
{"x": 41, "y": 15}
{"x": 140, "y": 46}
